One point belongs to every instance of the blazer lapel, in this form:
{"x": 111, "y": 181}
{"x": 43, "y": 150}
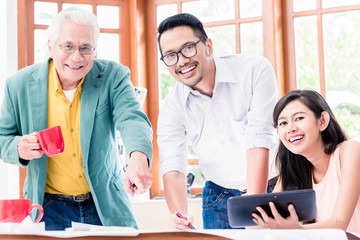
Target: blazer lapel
{"x": 89, "y": 100}
{"x": 38, "y": 92}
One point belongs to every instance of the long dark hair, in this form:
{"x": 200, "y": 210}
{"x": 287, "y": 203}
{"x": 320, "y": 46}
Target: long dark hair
{"x": 295, "y": 170}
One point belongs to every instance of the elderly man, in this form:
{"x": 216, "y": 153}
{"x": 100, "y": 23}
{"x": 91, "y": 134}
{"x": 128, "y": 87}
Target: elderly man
{"x": 90, "y": 99}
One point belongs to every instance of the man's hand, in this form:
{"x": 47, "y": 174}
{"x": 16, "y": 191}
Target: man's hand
{"x": 28, "y": 147}
{"x": 138, "y": 178}
{"x": 179, "y": 223}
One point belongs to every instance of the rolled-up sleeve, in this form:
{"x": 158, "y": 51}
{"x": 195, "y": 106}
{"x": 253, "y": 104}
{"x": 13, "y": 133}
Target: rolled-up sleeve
{"x": 259, "y": 130}
{"x": 171, "y": 138}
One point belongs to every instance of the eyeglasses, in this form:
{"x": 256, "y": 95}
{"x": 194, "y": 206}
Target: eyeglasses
{"x": 187, "y": 51}
{"x": 69, "y": 48}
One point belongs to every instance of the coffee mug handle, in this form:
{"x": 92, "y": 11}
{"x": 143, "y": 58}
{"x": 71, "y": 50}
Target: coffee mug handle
{"x": 41, "y": 211}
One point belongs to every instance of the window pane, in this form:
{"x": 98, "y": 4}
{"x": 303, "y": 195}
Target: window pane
{"x": 211, "y": 10}
{"x": 82, "y": 6}
{"x": 41, "y": 52}
{"x": 252, "y": 38}
{"x": 108, "y": 46}
{"x": 223, "y": 39}
{"x": 164, "y": 11}
{"x": 250, "y": 8}
{"x": 341, "y": 50}
{"x": 108, "y": 16}
{"x": 336, "y": 3}
{"x": 301, "y": 5}
{"x": 44, "y": 12}
{"x": 166, "y": 82}
{"x": 307, "y": 59}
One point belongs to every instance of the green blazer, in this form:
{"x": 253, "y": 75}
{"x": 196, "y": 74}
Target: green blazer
{"x": 108, "y": 102}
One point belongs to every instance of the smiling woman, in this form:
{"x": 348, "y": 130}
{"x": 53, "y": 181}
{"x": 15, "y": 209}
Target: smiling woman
{"x": 9, "y": 174}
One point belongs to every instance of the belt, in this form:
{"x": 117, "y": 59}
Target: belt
{"x": 78, "y": 198}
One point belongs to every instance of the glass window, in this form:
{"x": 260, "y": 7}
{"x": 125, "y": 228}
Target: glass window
{"x": 341, "y": 50}
{"x": 108, "y": 47}
{"x": 41, "y": 52}
{"x": 250, "y": 8}
{"x": 251, "y": 36}
{"x": 164, "y": 11}
{"x": 44, "y": 12}
{"x": 337, "y": 3}
{"x": 301, "y": 5}
{"x": 166, "y": 82}
{"x": 108, "y": 16}
{"x": 223, "y": 39}
{"x": 306, "y": 51}
{"x": 211, "y": 10}
{"x": 82, "y": 6}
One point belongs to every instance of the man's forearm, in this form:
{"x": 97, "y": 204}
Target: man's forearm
{"x": 175, "y": 191}
{"x": 257, "y": 170}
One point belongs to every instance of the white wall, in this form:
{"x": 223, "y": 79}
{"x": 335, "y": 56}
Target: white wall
{"x": 9, "y": 174}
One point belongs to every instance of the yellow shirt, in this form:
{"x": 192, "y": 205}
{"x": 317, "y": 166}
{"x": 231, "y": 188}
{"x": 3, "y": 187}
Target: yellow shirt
{"x": 65, "y": 172}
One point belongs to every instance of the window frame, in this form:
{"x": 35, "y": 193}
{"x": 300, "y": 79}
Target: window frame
{"x": 289, "y": 40}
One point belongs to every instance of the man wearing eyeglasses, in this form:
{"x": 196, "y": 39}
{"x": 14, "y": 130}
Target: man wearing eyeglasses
{"x": 223, "y": 106}
{"x": 89, "y": 99}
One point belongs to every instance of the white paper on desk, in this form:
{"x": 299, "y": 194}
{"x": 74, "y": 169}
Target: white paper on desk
{"x": 27, "y": 226}
{"x": 76, "y": 226}
{"x": 83, "y": 230}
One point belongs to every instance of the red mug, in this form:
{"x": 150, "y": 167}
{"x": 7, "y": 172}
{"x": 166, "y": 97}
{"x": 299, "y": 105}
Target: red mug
{"x": 16, "y": 210}
{"x": 51, "y": 141}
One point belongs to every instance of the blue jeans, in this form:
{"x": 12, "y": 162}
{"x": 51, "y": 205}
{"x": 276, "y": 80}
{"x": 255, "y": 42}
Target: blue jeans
{"x": 59, "y": 212}
{"x": 214, "y": 204}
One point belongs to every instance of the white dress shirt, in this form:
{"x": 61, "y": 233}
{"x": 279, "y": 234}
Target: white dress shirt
{"x": 237, "y": 117}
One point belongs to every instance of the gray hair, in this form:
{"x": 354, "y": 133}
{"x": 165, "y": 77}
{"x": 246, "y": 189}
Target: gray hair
{"x": 76, "y": 15}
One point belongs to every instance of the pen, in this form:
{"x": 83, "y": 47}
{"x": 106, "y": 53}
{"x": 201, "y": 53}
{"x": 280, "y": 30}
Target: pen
{"x": 181, "y": 216}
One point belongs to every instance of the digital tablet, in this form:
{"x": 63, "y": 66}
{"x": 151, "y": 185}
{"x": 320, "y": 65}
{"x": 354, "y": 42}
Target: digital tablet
{"x": 240, "y": 208}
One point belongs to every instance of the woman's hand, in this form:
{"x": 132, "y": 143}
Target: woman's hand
{"x": 291, "y": 222}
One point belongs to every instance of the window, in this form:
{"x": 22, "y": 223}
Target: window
{"x": 108, "y": 18}
{"x": 306, "y": 42}
{"x": 325, "y": 55}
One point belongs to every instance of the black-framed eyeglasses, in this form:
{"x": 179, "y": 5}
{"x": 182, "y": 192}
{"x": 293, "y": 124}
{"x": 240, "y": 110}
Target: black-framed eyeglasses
{"x": 187, "y": 51}
{"x": 69, "y": 48}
